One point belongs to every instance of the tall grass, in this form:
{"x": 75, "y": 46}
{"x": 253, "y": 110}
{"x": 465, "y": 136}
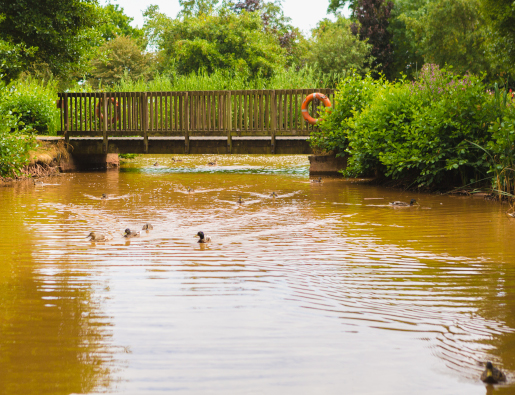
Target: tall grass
{"x": 219, "y": 80}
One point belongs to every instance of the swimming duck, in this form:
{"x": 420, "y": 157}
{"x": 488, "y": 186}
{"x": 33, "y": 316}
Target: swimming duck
{"x": 97, "y": 237}
{"x": 203, "y": 239}
{"x": 156, "y": 164}
{"x": 176, "y": 160}
{"x": 240, "y": 200}
{"x": 104, "y": 196}
{"x": 38, "y": 183}
{"x": 319, "y": 180}
{"x": 129, "y": 233}
{"x": 213, "y": 163}
{"x": 492, "y": 375}
{"x": 403, "y": 204}
{"x": 273, "y": 195}
{"x": 147, "y": 226}
{"x": 190, "y": 190}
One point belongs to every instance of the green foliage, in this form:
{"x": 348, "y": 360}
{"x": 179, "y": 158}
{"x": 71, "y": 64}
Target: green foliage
{"x": 117, "y": 24}
{"x": 450, "y": 32}
{"x": 120, "y": 58}
{"x": 419, "y": 132}
{"x": 15, "y": 144}
{"x": 220, "y": 80}
{"x": 33, "y": 102}
{"x": 335, "y": 50}
{"x": 62, "y": 31}
{"x": 353, "y": 94}
{"x": 226, "y": 41}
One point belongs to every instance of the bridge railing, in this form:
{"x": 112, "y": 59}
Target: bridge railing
{"x": 194, "y": 113}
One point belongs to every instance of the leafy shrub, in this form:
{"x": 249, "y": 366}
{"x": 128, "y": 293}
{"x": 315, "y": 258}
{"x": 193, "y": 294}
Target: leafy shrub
{"x": 420, "y": 132}
{"x": 14, "y": 146}
{"x": 34, "y": 102}
{"x": 354, "y": 92}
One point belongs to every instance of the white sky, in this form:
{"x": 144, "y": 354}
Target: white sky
{"x": 305, "y": 14}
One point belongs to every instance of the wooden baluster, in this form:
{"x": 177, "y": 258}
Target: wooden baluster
{"x": 228, "y": 104}
{"x": 273, "y": 126}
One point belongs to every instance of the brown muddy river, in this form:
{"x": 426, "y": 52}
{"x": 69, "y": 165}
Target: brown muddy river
{"x": 323, "y": 290}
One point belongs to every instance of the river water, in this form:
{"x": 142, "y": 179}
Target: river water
{"x": 325, "y": 289}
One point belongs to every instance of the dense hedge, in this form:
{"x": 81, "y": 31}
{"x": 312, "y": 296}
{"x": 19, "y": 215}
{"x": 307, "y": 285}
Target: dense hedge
{"x": 440, "y": 130}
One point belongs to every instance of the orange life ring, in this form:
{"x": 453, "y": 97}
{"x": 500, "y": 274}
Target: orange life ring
{"x": 309, "y": 99}
{"x": 116, "y": 117}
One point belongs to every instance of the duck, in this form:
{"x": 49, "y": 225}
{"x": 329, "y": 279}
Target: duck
{"x": 274, "y": 195}
{"x": 38, "y": 183}
{"x": 319, "y": 180}
{"x": 213, "y": 163}
{"x": 129, "y": 233}
{"x": 176, "y": 160}
{"x": 147, "y": 226}
{"x": 104, "y": 196}
{"x": 403, "y": 204}
{"x": 240, "y": 200}
{"x": 492, "y": 375}
{"x": 156, "y": 164}
{"x": 203, "y": 239}
{"x": 97, "y": 237}
{"x": 190, "y": 190}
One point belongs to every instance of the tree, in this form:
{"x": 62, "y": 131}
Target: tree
{"x": 335, "y": 6}
{"x": 121, "y": 57}
{"x": 222, "y": 40}
{"x": 62, "y": 31}
{"x": 116, "y": 23}
{"x": 335, "y": 50}
{"x": 193, "y": 8}
{"x": 373, "y": 17}
{"x": 451, "y": 32}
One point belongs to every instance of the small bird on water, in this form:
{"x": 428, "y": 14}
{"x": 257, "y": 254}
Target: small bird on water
{"x": 213, "y": 163}
{"x": 156, "y": 164}
{"x": 147, "y": 226}
{"x": 273, "y": 195}
{"x": 403, "y": 204}
{"x": 492, "y": 375}
{"x": 317, "y": 180}
{"x": 240, "y": 200}
{"x": 203, "y": 239}
{"x": 129, "y": 233}
{"x": 97, "y": 237}
{"x": 104, "y": 196}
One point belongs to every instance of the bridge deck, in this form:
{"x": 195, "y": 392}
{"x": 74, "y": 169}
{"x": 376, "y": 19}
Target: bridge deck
{"x": 197, "y": 145}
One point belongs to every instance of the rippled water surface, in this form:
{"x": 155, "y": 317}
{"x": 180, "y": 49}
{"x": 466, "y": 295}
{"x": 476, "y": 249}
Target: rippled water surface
{"x": 323, "y": 290}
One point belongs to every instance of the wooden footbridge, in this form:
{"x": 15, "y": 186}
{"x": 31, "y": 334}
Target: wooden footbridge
{"x": 194, "y": 122}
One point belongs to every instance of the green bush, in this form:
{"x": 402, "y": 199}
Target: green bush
{"x": 354, "y": 92}
{"x": 14, "y": 146}
{"x": 34, "y": 102}
{"x": 427, "y": 132}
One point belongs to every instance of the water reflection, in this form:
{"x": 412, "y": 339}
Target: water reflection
{"x": 318, "y": 289}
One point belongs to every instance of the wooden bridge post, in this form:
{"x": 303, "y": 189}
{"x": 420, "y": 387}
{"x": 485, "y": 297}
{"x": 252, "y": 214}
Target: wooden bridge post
{"x": 273, "y": 125}
{"x": 64, "y": 104}
{"x": 104, "y": 122}
{"x": 186, "y": 124}
{"x": 144, "y": 120}
{"x": 228, "y": 104}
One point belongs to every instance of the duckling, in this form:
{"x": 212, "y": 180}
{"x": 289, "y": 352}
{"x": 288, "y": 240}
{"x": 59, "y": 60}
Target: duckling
{"x": 403, "y": 204}
{"x": 203, "y": 239}
{"x": 190, "y": 190}
{"x": 104, "y": 196}
{"x": 492, "y": 375}
{"x": 213, "y": 163}
{"x": 97, "y": 237}
{"x": 147, "y": 226}
{"x": 156, "y": 164}
{"x": 319, "y": 180}
{"x": 38, "y": 183}
{"x": 274, "y": 195}
{"x": 240, "y": 200}
{"x": 129, "y": 233}
{"x": 176, "y": 160}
